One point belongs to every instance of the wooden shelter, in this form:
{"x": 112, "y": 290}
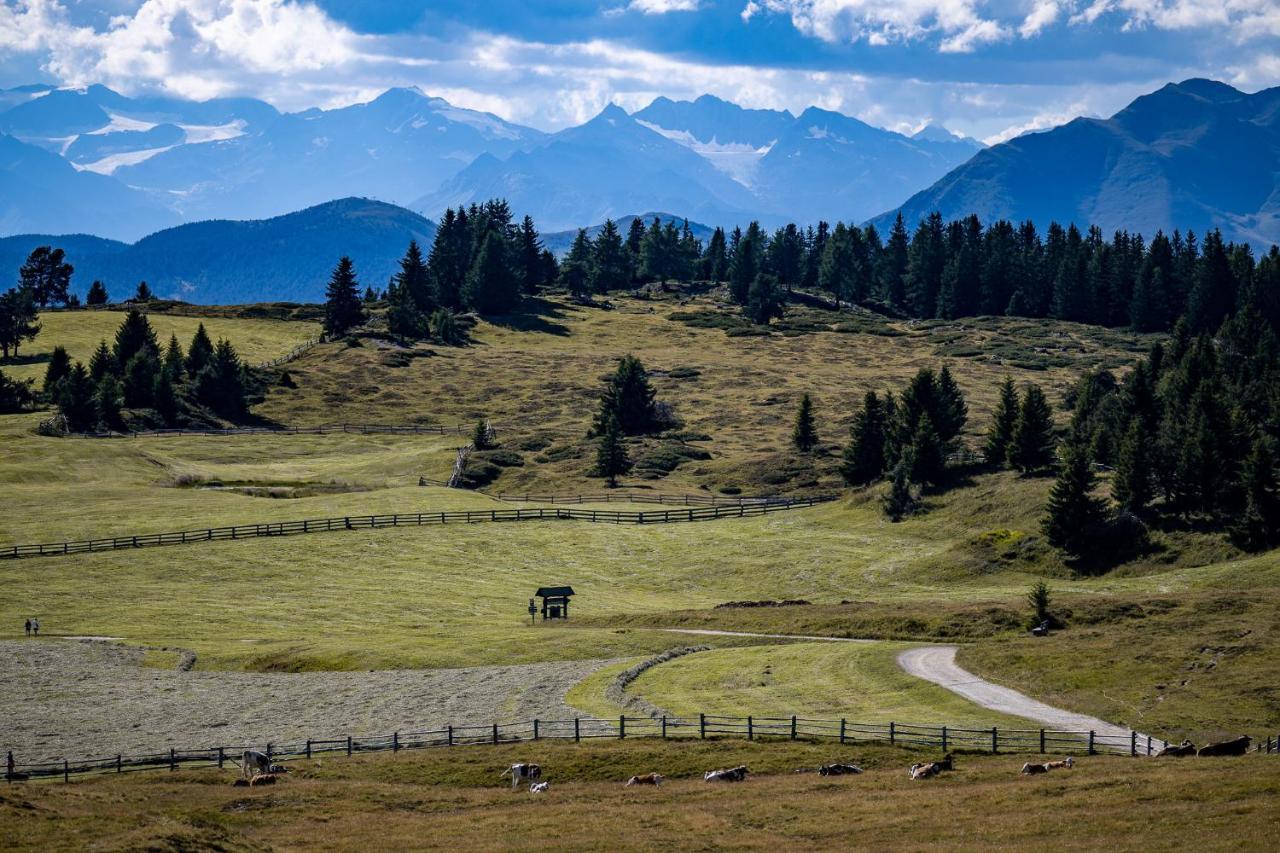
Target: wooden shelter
{"x": 555, "y": 601}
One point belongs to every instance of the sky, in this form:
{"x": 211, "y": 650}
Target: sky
{"x": 986, "y": 68}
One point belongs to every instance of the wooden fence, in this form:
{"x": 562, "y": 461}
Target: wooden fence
{"x": 321, "y": 429}
{"x": 632, "y": 497}
{"x": 290, "y": 355}
{"x": 842, "y": 731}
{"x": 413, "y": 519}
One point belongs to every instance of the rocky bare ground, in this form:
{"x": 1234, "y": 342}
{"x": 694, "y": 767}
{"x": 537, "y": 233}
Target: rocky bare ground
{"x": 81, "y": 699}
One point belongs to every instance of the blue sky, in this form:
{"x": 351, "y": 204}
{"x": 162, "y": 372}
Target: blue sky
{"x": 988, "y": 68}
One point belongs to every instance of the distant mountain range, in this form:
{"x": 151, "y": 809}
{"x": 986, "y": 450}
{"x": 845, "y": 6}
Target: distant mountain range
{"x": 120, "y": 167}
{"x": 287, "y": 258}
{"x": 559, "y": 242}
{"x": 1193, "y": 155}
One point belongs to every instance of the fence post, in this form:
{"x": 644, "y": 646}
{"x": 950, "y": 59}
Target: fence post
{"x": 535, "y": 728}
{"x": 702, "y": 726}
{"x": 664, "y": 732}
{"x": 268, "y": 753}
{"x": 995, "y": 740}
{"x": 119, "y": 763}
{"x": 793, "y": 726}
{"x": 577, "y": 730}
{"x": 622, "y": 726}
{"x": 1133, "y": 742}
{"x": 1042, "y": 741}
{"x": 842, "y": 726}
{"x": 222, "y": 756}
{"x": 450, "y": 736}
{"x": 395, "y": 741}
{"x": 173, "y": 760}
{"x": 66, "y": 771}
{"x": 348, "y": 744}
{"x": 944, "y": 738}
{"x": 495, "y": 732}
{"x": 1091, "y": 741}
{"x": 892, "y": 733}
{"x": 1148, "y": 744}
{"x": 751, "y": 734}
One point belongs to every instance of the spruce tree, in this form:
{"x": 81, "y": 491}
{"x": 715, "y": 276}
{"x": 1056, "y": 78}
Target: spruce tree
{"x": 952, "y": 413}
{"x": 1072, "y": 513}
{"x": 1003, "y": 421}
{"x": 900, "y": 500}
{"x": 97, "y": 294}
{"x": 609, "y": 269}
{"x": 529, "y": 258}
{"x": 403, "y": 316}
{"x": 444, "y": 328}
{"x": 342, "y": 308}
{"x": 575, "y": 272}
{"x": 864, "y": 456}
{"x": 1133, "y": 485}
{"x": 611, "y": 454}
{"x": 891, "y": 268}
{"x": 16, "y": 395}
{"x": 18, "y": 317}
{"x": 173, "y": 360}
{"x": 928, "y": 453}
{"x": 107, "y": 399}
{"x": 75, "y": 399}
{"x": 102, "y": 362}
{"x": 143, "y": 293}
{"x": 222, "y": 385}
{"x": 805, "y": 435}
{"x": 134, "y": 335}
{"x": 628, "y": 398}
{"x": 1258, "y": 527}
{"x": 491, "y": 286}
{"x": 164, "y": 398}
{"x": 139, "y": 378}
{"x": 1032, "y": 446}
{"x": 764, "y": 300}
{"x": 57, "y": 370}
{"x": 744, "y": 265}
{"x": 716, "y": 260}
{"x": 200, "y": 352}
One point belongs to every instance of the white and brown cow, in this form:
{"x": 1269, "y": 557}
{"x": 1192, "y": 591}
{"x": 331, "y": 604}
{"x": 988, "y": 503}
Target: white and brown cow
{"x": 1032, "y": 769}
{"x": 523, "y": 771}
{"x": 645, "y": 779}
{"x": 733, "y": 774}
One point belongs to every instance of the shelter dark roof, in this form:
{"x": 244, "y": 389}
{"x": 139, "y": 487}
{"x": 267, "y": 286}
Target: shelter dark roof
{"x": 553, "y": 591}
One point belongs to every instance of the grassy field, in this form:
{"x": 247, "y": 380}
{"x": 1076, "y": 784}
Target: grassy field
{"x": 256, "y": 340}
{"x": 456, "y": 801}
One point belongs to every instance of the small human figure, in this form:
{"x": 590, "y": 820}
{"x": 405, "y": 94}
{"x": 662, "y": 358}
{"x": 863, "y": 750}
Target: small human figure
{"x": 27, "y": 627}
{"x": 35, "y": 627}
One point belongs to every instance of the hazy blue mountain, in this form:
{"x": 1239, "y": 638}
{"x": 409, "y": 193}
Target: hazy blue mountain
{"x": 937, "y": 133}
{"x": 607, "y": 168}
{"x": 40, "y": 191}
{"x": 395, "y": 148}
{"x": 287, "y": 258}
{"x": 834, "y": 167}
{"x": 560, "y": 241}
{"x": 1197, "y": 154}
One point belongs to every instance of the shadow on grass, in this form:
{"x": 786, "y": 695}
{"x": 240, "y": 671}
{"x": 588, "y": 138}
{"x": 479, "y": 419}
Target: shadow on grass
{"x": 32, "y": 358}
{"x": 535, "y": 315}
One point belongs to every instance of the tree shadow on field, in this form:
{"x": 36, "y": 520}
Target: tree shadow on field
{"x": 534, "y": 315}
{"x": 33, "y": 358}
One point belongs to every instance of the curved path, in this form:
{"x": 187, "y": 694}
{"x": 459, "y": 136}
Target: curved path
{"x": 937, "y": 664}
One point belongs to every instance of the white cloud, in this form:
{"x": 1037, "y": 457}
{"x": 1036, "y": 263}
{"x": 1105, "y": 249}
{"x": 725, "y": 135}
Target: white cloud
{"x": 662, "y": 7}
{"x": 1042, "y": 14}
{"x": 882, "y": 22}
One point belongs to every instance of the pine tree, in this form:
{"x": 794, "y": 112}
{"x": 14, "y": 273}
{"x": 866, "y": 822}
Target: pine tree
{"x": 764, "y": 300}
{"x": 75, "y": 399}
{"x": 805, "y": 435}
{"x": 46, "y": 276}
{"x": 59, "y": 367}
{"x": 864, "y": 456}
{"x": 744, "y": 265}
{"x": 403, "y": 317}
{"x": 491, "y": 286}
{"x": 900, "y": 499}
{"x": 575, "y": 272}
{"x": 611, "y": 454}
{"x": 342, "y": 308}
{"x": 200, "y": 352}
{"x": 610, "y": 269}
{"x": 952, "y": 413}
{"x": 18, "y": 317}
{"x": 134, "y": 335}
{"x": 448, "y": 262}
{"x": 102, "y": 362}
{"x": 107, "y": 399}
{"x": 97, "y": 294}
{"x": 221, "y": 385}
{"x": 716, "y": 260}
{"x": 139, "y": 379}
{"x": 1073, "y": 513}
{"x": 1003, "y": 421}
{"x": 173, "y": 360}
{"x": 836, "y": 269}
{"x": 1133, "y": 485}
{"x": 1032, "y": 446}
{"x": 529, "y": 258}
{"x": 928, "y": 453}
{"x": 370, "y": 295}
{"x": 891, "y": 269}
{"x": 164, "y": 398}
{"x": 15, "y": 395}
{"x": 413, "y": 281}
{"x": 444, "y": 327}
{"x": 143, "y": 293}
{"x": 480, "y": 435}
{"x": 1258, "y": 527}
{"x": 628, "y": 398}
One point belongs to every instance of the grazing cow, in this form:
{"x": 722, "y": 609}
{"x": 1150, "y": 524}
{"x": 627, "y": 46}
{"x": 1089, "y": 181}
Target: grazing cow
{"x": 262, "y": 779}
{"x": 1235, "y": 746}
{"x": 523, "y": 771}
{"x": 539, "y": 787}
{"x": 838, "y": 769}
{"x": 1183, "y": 749}
{"x": 733, "y": 774}
{"x": 645, "y": 779}
{"x": 1030, "y": 769}
{"x": 253, "y": 762}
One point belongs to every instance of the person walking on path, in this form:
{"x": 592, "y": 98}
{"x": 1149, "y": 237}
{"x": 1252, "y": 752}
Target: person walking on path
{"x": 27, "y": 627}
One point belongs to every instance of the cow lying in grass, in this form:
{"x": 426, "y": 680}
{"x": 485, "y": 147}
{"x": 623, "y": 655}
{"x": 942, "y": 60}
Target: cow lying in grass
{"x": 1183, "y": 749}
{"x": 734, "y": 774}
{"x": 523, "y": 771}
{"x": 1235, "y": 746}
{"x": 1031, "y": 769}
{"x": 539, "y": 787}
{"x": 931, "y": 768}
{"x": 645, "y": 779}
{"x": 838, "y": 769}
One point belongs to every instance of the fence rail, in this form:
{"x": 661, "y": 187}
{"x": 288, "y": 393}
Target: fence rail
{"x": 414, "y": 519}
{"x": 320, "y": 429}
{"x": 290, "y": 355}
{"x": 843, "y": 731}
{"x": 632, "y": 496}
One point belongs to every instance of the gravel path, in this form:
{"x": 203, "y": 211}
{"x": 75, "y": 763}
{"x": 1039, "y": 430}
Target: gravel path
{"x": 938, "y": 664}
{"x": 64, "y": 698}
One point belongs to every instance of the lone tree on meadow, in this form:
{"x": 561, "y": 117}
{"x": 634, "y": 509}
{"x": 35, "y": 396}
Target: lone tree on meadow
{"x": 97, "y": 294}
{"x": 342, "y": 308}
{"x": 17, "y": 319}
{"x": 765, "y": 300}
{"x": 629, "y": 398}
{"x": 805, "y": 435}
{"x": 611, "y": 454}
{"x": 143, "y": 293}
{"x": 1039, "y": 598}
{"x": 1073, "y": 513}
{"x": 47, "y": 276}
